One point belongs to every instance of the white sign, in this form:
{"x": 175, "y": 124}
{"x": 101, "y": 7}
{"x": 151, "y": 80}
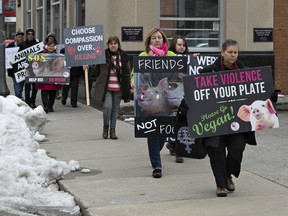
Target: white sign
{"x": 9, "y": 54}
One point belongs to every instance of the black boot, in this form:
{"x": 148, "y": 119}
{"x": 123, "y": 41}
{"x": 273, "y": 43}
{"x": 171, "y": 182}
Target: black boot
{"x": 105, "y": 131}
{"x": 44, "y": 97}
{"x": 113, "y": 134}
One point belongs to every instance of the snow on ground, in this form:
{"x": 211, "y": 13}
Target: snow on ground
{"x": 27, "y": 175}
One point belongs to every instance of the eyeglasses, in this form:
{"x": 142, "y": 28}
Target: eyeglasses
{"x": 30, "y": 34}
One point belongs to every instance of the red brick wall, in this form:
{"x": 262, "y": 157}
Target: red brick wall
{"x": 281, "y": 45}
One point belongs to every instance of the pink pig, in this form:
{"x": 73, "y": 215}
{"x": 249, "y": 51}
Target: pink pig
{"x": 261, "y": 115}
{"x": 151, "y": 99}
{"x": 175, "y": 96}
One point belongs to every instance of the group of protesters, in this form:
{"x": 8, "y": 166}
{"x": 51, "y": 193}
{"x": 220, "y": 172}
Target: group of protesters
{"x": 49, "y": 92}
{"x": 115, "y": 82}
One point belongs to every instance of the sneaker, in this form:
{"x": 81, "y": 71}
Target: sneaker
{"x": 221, "y": 192}
{"x": 171, "y": 149}
{"x": 63, "y": 102}
{"x": 230, "y": 184}
{"x": 179, "y": 159}
{"x": 157, "y": 173}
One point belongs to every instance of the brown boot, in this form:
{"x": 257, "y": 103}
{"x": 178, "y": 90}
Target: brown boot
{"x": 113, "y": 134}
{"x": 230, "y": 184}
{"x": 105, "y": 132}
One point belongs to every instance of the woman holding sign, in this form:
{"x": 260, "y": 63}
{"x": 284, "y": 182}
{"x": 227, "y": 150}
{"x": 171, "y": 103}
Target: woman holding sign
{"x": 223, "y": 164}
{"x": 113, "y": 84}
{"x": 156, "y": 44}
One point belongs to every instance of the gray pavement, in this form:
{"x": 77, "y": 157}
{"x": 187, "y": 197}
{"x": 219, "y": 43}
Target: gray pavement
{"x": 120, "y": 182}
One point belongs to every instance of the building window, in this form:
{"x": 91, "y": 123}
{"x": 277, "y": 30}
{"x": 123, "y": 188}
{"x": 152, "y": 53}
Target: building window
{"x": 79, "y": 11}
{"x": 197, "y": 20}
{"x": 57, "y": 17}
{"x": 40, "y": 25}
{"x": 28, "y": 14}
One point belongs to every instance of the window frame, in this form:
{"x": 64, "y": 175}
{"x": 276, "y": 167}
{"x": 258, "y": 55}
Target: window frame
{"x": 219, "y": 20}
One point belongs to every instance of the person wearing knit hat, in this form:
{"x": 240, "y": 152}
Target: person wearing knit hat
{"x": 30, "y": 30}
{"x": 30, "y": 88}
{"x": 51, "y": 37}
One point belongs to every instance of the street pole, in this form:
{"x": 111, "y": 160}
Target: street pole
{"x": 4, "y": 91}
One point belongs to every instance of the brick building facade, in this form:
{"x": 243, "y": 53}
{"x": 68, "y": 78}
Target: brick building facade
{"x": 281, "y": 45}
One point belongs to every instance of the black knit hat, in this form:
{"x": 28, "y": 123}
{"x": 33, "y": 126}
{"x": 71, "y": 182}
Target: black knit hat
{"x": 30, "y": 30}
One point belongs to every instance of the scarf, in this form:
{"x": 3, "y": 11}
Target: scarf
{"x": 224, "y": 67}
{"x": 154, "y": 51}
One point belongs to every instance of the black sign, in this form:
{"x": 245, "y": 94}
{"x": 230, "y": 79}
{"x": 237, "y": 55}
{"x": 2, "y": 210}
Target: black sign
{"x": 263, "y": 35}
{"x": 230, "y": 102}
{"x": 160, "y": 64}
{"x": 132, "y": 33}
{"x": 158, "y": 93}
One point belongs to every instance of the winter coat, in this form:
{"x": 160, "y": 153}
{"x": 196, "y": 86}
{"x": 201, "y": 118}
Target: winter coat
{"x": 49, "y": 87}
{"x": 214, "y": 141}
{"x": 27, "y": 44}
{"x": 103, "y": 73}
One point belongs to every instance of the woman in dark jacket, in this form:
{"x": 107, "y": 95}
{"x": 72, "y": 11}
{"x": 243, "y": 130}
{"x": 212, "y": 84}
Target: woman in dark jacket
{"x": 113, "y": 84}
{"x": 224, "y": 165}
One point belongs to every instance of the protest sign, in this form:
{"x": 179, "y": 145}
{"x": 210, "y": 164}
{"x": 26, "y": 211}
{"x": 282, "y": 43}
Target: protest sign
{"x": 84, "y": 45}
{"x": 230, "y": 102}
{"x": 197, "y": 63}
{"x": 47, "y": 68}
{"x": 158, "y": 92}
{"x": 19, "y": 60}
{"x": 9, "y": 54}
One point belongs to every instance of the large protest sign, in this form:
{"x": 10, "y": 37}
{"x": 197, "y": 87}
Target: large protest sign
{"x": 84, "y": 45}
{"x": 158, "y": 92}
{"x": 47, "y": 68}
{"x": 19, "y": 60}
{"x": 230, "y": 102}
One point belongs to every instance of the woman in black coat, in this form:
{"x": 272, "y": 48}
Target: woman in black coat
{"x": 113, "y": 84}
{"x": 223, "y": 164}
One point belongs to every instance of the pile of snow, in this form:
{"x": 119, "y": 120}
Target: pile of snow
{"x": 28, "y": 176}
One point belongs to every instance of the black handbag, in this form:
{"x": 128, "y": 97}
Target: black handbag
{"x": 186, "y": 146}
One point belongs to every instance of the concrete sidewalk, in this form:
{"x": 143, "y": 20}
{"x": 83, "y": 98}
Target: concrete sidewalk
{"x": 120, "y": 182}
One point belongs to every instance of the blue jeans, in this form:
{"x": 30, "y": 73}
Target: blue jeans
{"x": 111, "y": 107}
{"x": 18, "y": 87}
{"x": 155, "y": 145}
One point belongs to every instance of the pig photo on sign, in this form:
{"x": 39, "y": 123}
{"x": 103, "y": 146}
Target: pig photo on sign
{"x": 174, "y": 94}
{"x": 151, "y": 99}
{"x": 260, "y": 114}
